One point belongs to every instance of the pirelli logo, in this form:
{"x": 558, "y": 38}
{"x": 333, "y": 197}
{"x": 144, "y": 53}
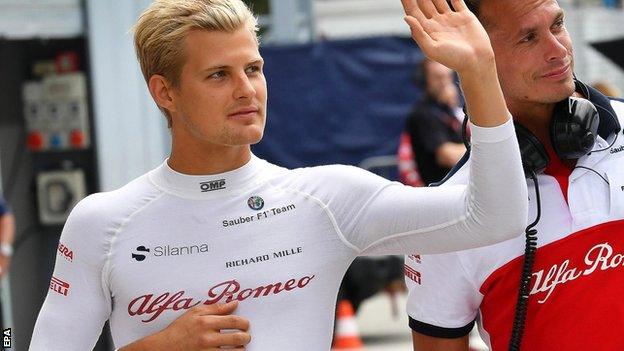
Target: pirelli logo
{"x": 212, "y": 185}
{"x": 59, "y": 286}
{"x": 412, "y": 274}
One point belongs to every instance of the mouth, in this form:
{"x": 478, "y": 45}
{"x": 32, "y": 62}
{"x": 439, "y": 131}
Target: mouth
{"x": 558, "y": 73}
{"x": 244, "y": 113}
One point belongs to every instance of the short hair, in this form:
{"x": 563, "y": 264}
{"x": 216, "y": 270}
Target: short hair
{"x": 161, "y": 29}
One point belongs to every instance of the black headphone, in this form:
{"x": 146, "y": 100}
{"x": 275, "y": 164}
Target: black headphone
{"x": 573, "y": 132}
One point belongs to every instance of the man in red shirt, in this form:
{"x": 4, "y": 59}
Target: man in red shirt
{"x": 577, "y": 281}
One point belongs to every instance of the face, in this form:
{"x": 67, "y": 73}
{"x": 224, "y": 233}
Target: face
{"x": 438, "y": 78}
{"x": 533, "y": 50}
{"x": 222, "y": 95}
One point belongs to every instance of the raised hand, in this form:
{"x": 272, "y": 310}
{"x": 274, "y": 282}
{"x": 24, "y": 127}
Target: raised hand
{"x": 451, "y": 36}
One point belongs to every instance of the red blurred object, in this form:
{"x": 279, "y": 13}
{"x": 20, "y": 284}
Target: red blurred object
{"x": 408, "y": 171}
{"x": 66, "y": 62}
{"x": 77, "y": 138}
{"x": 35, "y": 141}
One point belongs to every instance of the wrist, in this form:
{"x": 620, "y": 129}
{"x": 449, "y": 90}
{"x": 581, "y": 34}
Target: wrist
{"x": 482, "y": 67}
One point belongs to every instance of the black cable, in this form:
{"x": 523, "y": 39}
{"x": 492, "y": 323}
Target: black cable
{"x": 614, "y": 139}
{"x": 593, "y": 170}
{"x": 464, "y": 134}
{"x": 530, "y": 249}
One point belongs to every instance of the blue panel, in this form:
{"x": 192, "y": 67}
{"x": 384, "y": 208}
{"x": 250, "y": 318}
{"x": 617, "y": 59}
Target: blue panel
{"x": 337, "y": 101}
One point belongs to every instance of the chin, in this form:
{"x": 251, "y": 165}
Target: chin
{"x": 558, "y": 92}
{"x": 248, "y": 137}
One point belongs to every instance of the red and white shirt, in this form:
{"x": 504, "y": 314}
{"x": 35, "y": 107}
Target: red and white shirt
{"x": 577, "y": 290}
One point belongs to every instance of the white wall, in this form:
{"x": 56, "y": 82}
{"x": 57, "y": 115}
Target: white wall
{"x": 23, "y": 19}
{"x": 132, "y": 135}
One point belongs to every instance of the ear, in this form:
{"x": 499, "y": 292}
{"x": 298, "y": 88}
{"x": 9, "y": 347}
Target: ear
{"x": 162, "y": 92}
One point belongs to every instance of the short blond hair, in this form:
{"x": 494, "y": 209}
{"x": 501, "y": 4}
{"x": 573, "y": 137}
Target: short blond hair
{"x": 160, "y": 32}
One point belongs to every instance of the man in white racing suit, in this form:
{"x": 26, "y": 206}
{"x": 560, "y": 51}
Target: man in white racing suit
{"x": 213, "y": 224}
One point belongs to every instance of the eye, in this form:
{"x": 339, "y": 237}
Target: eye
{"x": 528, "y": 38}
{"x": 559, "y": 24}
{"x": 217, "y": 75}
{"x": 253, "y": 69}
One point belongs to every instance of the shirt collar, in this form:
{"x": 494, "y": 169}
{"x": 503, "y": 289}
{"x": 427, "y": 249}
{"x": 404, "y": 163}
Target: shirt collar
{"x": 207, "y": 186}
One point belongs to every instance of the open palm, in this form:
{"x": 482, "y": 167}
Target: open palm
{"x": 451, "y": 36}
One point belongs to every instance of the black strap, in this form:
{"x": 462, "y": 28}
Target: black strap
{"x": 439, "y": 332}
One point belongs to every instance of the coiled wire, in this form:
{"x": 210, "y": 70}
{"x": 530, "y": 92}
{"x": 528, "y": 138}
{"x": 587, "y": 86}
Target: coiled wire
{"x": 530, "y": 249}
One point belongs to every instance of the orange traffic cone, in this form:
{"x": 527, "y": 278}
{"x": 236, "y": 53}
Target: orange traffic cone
{"x": 347, "y": 336}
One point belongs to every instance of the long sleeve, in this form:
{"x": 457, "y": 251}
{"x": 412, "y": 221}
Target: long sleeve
{"x": 394, "y": 219}
{"x": 77, "y": 305}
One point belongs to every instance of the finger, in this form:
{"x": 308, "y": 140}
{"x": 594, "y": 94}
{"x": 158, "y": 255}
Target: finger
{"x": 427, "y": 7}
{"x": 419, "y": 16}
{"x": 215, "y": 341}
{"x": 418, "y": 33}
{"x": 459, "y": 5}
{"x": 226, "y": 322}
{"x": 409, "y": 6}
{"x": 216, "y": 309}
{"x": 442, "y": 6}
{"x": 233, "y": 339}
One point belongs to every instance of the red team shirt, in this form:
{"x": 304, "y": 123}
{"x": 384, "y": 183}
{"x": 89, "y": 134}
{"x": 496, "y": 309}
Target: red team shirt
{"x": 577, "y": 289}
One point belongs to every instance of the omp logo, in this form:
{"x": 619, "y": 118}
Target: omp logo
{"x": 140, "y": 257}
{"x": 212, "y": 185}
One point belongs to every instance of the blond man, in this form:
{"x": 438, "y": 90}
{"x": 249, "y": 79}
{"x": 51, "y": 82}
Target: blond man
{"x": 214, "y": 224}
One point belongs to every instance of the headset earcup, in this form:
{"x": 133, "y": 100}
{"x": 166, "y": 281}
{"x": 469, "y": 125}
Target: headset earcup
{"x": 574, "y": 127}
{"x": 534, "y": 155}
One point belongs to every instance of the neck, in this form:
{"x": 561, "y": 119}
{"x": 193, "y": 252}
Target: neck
{"x": 536, "y": 118}
{"x": 204, "y": 159}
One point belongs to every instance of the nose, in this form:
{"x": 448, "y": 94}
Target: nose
{"x": 555, "y": 50}
{"x": 244, "y": 89}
